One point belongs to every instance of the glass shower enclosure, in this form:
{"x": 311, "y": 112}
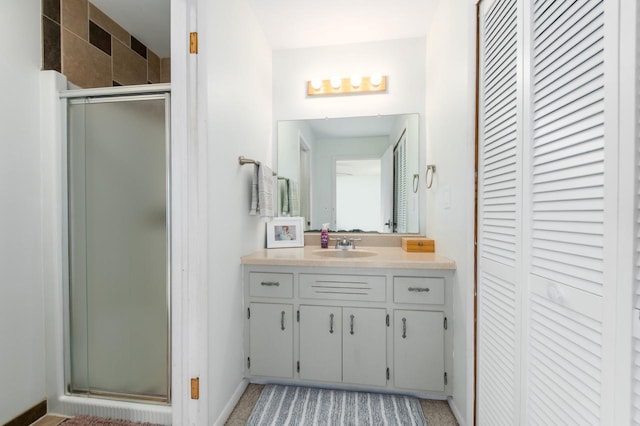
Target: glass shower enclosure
{"x": 118, "y": 247}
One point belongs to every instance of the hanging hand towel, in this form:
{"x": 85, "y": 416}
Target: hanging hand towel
{"x": 262, "y": 192}
{"x": 283, "y": 191}
{"x": 294, "y": 201}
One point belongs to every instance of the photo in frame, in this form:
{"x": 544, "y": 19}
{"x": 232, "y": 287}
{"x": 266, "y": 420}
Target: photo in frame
{"x": 285, "y": 232}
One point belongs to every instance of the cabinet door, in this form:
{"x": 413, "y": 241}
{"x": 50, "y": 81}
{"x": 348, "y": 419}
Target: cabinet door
{"x": 271, "y": 340}
{"x": 321, "y": 343}
{"x": 418, "y": 344}
{"x": 364, "y": 344}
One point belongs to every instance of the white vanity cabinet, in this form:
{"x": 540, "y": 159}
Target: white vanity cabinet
{"x": 361, "y": 328}
{"x": 271, "y": 339}
{"x": 270, "y": 324}
{"x": 343, "y": 345}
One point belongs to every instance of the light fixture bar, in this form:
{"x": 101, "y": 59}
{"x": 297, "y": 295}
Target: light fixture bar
{"x": 346, "y": 87}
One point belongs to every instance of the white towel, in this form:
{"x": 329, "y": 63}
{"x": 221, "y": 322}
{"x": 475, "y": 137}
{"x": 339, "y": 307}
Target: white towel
{"x": 294, "y": 200}
{"x": 283, "y": 191}
{"x": 262, "y": 192}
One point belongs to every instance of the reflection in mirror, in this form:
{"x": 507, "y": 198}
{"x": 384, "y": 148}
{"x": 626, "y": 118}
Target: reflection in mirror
{"x": 354, "y": 173}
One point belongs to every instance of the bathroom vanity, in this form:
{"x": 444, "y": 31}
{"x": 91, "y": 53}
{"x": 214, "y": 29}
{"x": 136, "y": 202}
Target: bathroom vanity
{"x": 376, "y": 318}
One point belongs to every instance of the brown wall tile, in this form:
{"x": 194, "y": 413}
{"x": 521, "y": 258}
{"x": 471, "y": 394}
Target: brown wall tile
{"x": 153, "y": 67}
{"x": 51, "y": 9}
{"x": 84, "y": 64}
{"x": 51, "y": 50}
{"x": 128, "y": 66}
{"x": 100, "y": 18}
{"x": 99, "y": 38}
{"x": 165, "y": 70}
{"x": 138, "y": 47}
{"x": 75, "y": 17}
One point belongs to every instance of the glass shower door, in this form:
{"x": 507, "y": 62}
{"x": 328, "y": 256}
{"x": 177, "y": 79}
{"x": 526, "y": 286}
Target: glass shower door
{"x": 118, "y": 247}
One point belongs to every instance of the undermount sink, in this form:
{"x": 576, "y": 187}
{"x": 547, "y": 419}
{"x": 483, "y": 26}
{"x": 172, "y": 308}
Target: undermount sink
{"x": 346, "y": 254}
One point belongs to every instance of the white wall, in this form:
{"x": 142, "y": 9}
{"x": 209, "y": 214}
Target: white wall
{"x": 237, "y": 77}
{"x": 22, "y": 375}
{"x": 401, "y": 60}
{"x": 450, "y": 146}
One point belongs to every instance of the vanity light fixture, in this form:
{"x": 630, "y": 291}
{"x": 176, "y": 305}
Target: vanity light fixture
{"x": 316, "y": 83}
{"x": 344, "y": 86}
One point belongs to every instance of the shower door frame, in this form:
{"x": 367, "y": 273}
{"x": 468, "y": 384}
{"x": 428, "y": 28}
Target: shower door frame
{"x": 102, "y": 95}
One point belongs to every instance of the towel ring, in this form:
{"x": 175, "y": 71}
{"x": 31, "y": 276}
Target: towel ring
{"x": 416, "y": 182}
{"x": 432, "y": 168}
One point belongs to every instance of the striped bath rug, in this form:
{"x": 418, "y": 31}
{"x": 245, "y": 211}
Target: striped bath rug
{"x": 292, "y": 405}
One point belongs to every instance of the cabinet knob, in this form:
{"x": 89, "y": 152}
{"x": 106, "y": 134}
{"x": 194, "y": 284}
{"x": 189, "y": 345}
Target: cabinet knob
{"x": 352, "y": 317}
{"x": 404, "y": 328}
{"x": 331, "y": 324}
{"x": 419, "y": 289}
{"x": 282, "y": 321}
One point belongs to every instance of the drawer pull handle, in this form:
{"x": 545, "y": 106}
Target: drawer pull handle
{"x": 351, "y": 331}
{"x": 404, "y": 328}
{"x": 331, "y": 324}
{"x": 419, "y": 289}
{"x": 282, "y": 321}
{"x": 270, "y": 283}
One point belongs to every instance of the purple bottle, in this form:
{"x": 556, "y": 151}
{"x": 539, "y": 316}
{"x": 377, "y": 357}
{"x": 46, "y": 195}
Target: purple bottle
{"x": 324, "y": 236}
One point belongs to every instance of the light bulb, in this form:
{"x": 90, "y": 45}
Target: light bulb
{"x": 336, "y": 82}
{"x": 356, "y": 80}
{"x": 316, "y": 83}
{"x": 376, "y": 79}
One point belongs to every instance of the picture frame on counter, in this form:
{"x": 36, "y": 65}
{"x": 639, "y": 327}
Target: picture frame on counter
{"x": 285, "y": 232}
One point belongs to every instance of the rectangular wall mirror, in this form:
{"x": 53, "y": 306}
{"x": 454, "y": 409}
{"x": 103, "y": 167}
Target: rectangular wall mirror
{"x": 357, "y": 174}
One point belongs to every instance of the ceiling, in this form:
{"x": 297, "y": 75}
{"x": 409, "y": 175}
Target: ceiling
{"x": 289, "y": 24}
{"x": 352, "y": 127}
{"x": 147, "y": 20}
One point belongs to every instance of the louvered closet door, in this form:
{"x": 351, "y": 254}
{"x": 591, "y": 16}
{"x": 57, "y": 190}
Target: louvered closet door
{"x": 635, "y": 397}
{"x": 499, "y": 214}
{"x": 635, "y": 379}
{"x": 566, "y": 213}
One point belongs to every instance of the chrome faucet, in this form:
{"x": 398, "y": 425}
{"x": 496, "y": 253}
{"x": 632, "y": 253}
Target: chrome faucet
{"x": 344, "y": 243}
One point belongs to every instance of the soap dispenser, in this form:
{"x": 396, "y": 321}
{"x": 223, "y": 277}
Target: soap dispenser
{"x": 324, "y": 236}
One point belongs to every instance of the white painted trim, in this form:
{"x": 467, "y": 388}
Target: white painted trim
{"x": 118, "y": 90}
{"x": 456, "y": 412}
{"x": 627, "y": 220}
{"x": 187, "y": 322}
{"x": 233, "y": 401}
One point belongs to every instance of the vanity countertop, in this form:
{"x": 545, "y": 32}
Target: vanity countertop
{"x": 381, "y": 257}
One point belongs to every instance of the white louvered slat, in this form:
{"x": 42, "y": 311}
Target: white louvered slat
{"x": 637, "y": 180}
{"x": 635, "y": 356}
{"x": 499, "y": 193}
{"x": 496, "y": 367}
{"x": 635, "y": 380}
{"x": 567, "y": 186}
{"x": 498, "y": 185}
{"x": 565, "y": 350}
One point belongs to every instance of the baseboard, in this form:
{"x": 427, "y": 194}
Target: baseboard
{"x": 456, "y": 412}
{"x": 228, "y": 409}
{"x": 29, "y": 416}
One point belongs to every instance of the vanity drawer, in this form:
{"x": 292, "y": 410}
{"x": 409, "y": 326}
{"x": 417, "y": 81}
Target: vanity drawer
{"x": 343, "y": 287}
{"x": 425, "y": 290}
{"x": 270, "y": 284}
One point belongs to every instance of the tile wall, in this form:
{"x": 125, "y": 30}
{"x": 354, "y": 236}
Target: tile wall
{"x": 92, "y": 50}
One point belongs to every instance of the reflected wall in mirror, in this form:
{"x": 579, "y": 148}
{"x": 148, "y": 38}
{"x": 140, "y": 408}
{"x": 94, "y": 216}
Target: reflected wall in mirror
{"x": 355, "y": 173}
